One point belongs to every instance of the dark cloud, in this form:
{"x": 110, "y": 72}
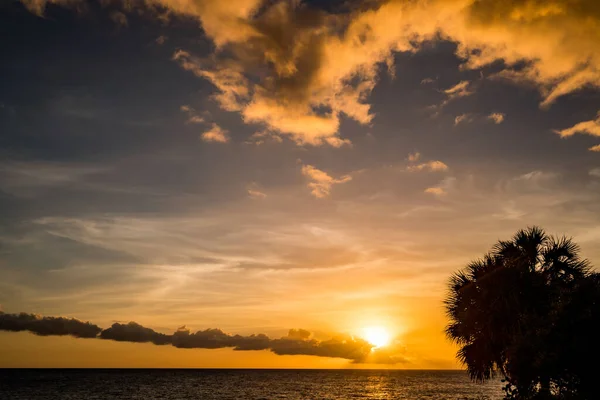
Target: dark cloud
{"x": 216, "y": 339}
{"x": 301, "y": 334}
{"x": 133, "y": 332}
{"x": 46, "y": 326}
{"x": 297, "y": 342}
{"x": 349, "y": 348}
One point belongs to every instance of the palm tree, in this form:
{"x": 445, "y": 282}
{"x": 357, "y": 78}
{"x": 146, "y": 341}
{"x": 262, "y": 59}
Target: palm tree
{"x": 501, "y": 309}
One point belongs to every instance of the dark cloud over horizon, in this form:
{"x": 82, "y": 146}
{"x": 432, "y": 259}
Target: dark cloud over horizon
{"x": 297, "y": 342}
{"x": 48, "y": 326}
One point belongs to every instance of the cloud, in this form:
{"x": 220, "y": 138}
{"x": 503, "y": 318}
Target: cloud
{"x": 595, "y": 148}
{"x": 38, "y": 6}
{"x": 591, "y": 127}
{"x": 254, "y": 192}
{"x": 537, "y": 180}
{"x": 45, "y": 326}
{"x": 217, "y": 339}
{"x": 299, "y": 334}
{"x": 119, "y": 18}
{"x": 461, "y": 89}
{"x": 193, "y": 117}
{"x": 297, "y": 342}
{"x": 228, "y": 79}
{"x": 438, "y": 191}
{"x": 296, "y": 68}
{"x": 498, "y": 118}
{"x": 413, "y": 157}
{"x": 321, "y": 182}
{"x": 162, "y": 39}
{"x": 215, "y": 134}
{"x": 35, "y": 173}
{"x": 133, "y": 332}
{"x": 29, "y": 178}
{"x": 262, "y": 137}
{"x": 433, "y": 166}
{"x": 595, "y": 172}
{"x": 443, "y": 188}
{"x": 463, "y": 118}
{"x": 341, "y": 346}
{"x": 536, "y": 176}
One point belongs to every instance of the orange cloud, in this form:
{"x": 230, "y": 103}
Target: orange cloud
{"x": 215, "y": 134}
{"x": 442, "y": 188}
{"x": 321, "y": 182}
{"x": 413, "y": 157}
{"x": 461, "y": 89}
{"x": 296, "y": 69}
{"x": 437, "y": 191}
{"x": 498, "y": 118}
{"x": 591, "y": 127}
{"x": 193, "y": 117}
{"x": 462, "y": 118}
{"x": 433, "y": 166}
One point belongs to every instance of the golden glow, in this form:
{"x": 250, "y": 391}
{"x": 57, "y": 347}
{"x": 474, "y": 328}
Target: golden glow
{"x": 377, "y": 336}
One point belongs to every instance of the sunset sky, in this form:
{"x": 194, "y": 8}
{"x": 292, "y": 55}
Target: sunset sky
{"x": 259, "y": 166}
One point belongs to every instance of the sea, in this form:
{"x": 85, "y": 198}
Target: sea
{"x": 225, "y": 384}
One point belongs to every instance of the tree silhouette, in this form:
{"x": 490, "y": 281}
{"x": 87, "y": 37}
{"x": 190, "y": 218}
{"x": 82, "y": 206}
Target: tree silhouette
{"x": 529, "y": 310}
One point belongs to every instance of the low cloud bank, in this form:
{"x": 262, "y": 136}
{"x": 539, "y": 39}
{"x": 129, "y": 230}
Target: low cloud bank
{"x": 297, "y": 342}
{"x": 46, "y": 326}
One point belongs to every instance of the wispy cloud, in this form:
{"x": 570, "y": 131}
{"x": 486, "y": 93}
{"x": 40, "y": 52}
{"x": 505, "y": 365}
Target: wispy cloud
{"x": 119, "y": 19}
{"x": 25, "y": 178}
{"x": 254, "y": 192}
{"x": 437, "y": 191}
{"x": 433, "y": 166}
{"x": 413, "y": 157}
{"x": 591, "y": 127}
{"x": 463, "y": 119}
{"x": 497, "y": 117}
{"x": 215, "y": 134}
{"x": 193, "y": 116}
{"x": 595, "y": 148}
{"x": 262, "y": 137}
{"x": 321, "y": 182}
{"x": 443, "y": 188}
{"x": 461, "y": 89}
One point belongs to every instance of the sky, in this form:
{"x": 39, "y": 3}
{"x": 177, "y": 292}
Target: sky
{"x": 254, "y": 183}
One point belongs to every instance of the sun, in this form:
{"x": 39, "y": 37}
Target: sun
{"x": 377, "y": 336}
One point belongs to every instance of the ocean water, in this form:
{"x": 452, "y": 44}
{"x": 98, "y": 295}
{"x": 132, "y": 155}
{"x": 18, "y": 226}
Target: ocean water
{"x": 241, "y": 384}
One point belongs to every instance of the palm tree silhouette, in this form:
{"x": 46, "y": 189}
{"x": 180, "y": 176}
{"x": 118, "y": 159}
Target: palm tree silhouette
{"x": 505, "y": 310}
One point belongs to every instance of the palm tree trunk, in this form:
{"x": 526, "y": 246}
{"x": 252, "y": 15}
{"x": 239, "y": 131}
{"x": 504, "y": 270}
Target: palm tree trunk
{"x": 544, "y": 393}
